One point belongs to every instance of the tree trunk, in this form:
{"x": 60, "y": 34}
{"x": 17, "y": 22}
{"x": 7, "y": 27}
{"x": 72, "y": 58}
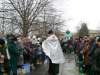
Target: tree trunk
{"x": 25, "y": 28}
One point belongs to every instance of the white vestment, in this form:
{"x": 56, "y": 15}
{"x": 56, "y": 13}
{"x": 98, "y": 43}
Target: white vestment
{"x": 52, "y": 48}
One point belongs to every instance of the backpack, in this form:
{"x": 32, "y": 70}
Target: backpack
{"x": 39, "y": 56}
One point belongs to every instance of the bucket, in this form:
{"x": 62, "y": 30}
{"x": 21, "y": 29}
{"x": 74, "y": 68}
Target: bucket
{"x": 26, "y": 68}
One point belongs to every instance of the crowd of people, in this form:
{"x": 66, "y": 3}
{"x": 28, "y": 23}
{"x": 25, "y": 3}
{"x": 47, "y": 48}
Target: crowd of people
{"x": 16, "y": 50}
{"x": 12, "y": 53}
{"x": 87, "y": 50}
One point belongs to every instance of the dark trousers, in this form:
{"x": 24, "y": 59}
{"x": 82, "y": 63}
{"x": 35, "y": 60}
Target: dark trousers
{"x": 53, "y": 69}
{"x": 12, "y": 67}
{"x": 1, "y": 66}
{"x": 96, "y": 73}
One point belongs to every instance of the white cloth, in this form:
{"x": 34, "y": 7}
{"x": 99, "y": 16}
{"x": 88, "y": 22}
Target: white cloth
{"x": 52, "y": 48}
{"x": 7, "y": 51}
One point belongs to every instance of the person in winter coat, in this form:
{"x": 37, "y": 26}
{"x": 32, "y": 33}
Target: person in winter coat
{"x": 75, "y": 45}
{"x": 85, "y": 54}
{"x": 90, "y": 55}
{"x": 2, "y": 55}
{"x": 53, "y": 50}
{"x": 79, "y": 47}
{"x": 20, "y": 49}
{"x": 28, "y": 49}
{"x": 13, "y": 52}
{"x": 96, "y": 58}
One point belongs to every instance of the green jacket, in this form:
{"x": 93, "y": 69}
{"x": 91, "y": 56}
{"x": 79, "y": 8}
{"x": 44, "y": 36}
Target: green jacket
{"x": 12, "y": 48}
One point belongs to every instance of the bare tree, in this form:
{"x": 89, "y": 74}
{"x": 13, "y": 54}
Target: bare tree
{"x": 50, "y": 19}
{"x": 25, "y": 16}
{"x": 6, "y": 17}
{"x": 28, "y": 10}
{"x": 47, "y": 19}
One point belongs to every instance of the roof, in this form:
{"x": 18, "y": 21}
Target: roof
{"x": 94, "y": 31}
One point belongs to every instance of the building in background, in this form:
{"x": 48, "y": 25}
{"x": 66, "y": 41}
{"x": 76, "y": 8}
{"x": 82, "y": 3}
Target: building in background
{"x": 94, "y": 33}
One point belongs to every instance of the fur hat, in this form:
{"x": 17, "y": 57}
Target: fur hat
{"x": 50, "y": 32}
{"x": 2, "y": 42}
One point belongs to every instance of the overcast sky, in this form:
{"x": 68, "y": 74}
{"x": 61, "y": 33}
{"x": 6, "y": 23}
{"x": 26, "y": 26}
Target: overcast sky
{"x": 77, "y": 11}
